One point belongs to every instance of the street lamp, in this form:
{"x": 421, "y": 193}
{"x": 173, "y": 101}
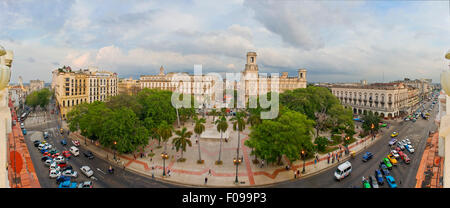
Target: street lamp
{"x": 373, "y": 126}
{"x": 164, "y": 156}
{"x": 237, "y": 162}
{"x": 115, "y": 150}
{"x": 303, "y": 157}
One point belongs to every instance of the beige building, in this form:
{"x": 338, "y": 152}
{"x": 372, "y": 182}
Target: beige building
{"x": 254, "y": 83}
{"x": 129, "y": 86}
{"x": 87, "y": 85}
{"x": 388, "y": 100}
{"x": 36, "y": 85}
{"x": 6, "y": 58}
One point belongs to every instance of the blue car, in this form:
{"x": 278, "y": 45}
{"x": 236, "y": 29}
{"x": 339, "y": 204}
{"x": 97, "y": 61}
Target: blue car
{"x": 43, "y": 150}
{"x": 64, "y": 142}
{"x": 391, "y": 182}
{"x": 24, "y": 131}
{"x": 367, "y": 156}
{"x": 61, "y": 179}
{"x": 67, "y": 184}
{"x": 379, "y": 177}
{"x": 384, "y": 169}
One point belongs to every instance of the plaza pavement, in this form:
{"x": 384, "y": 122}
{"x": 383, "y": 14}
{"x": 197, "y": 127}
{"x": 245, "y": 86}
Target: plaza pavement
{"x": 192, "y": 174}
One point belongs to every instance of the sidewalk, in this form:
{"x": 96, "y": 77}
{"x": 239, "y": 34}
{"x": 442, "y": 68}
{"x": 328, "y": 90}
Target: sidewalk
{"x": 431, "y": 166}
{"x": 21, "y": 171}
{"x": 193, "y": 174}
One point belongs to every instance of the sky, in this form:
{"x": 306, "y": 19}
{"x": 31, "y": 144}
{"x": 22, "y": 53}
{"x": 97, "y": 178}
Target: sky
{"x": 336, "y": 41}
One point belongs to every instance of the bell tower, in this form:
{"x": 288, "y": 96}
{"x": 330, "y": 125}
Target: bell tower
{"x": 251, "y": 65}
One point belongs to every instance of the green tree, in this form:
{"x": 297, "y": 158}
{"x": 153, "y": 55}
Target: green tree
{"x": 222, "y": 126}
{"x": 124, "y": 100}
{"x": 165, "y": 132}
{"x": 156, "y": 104}
{"x": 370, "y": 119}
{"x": 322, "y": 143}
{"x": 238, "y": 125}
{"x": 213, "y": 113}
{"x": 199, "y": 128}
{"x": 287, "y": 135}
{"x": 182, "y": 140}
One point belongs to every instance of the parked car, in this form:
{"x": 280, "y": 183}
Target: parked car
{"x": 74, "y": 151}
{"x": 408, "y": 141}
{"x": 387, "y": 163}
{"x": 68, "y": 167}
{"x": 365, "y": 182}
{"x": 54, "y": 166}
{"x": 391, "y": 181}
{"x": 379, "y": 177}
{"x": 394, "y": 134}
{"x": 62, "y": 164}
{"x": 24, "y": 131}
{"x": 343, "y": 170}
{"x": 64, "y": 142}
{"x": 61, "y": 179}
{"x": 59, "y": 159}
{"x": 409, "y": 148}
{"x": 367, "y": 156}
{"x": 76, "y": 143}
{"x": 48, "y": 162}
{"x": 373, "y": 182}
{"x": 45, "y": 135}
{"x": 392, "y": 159}
{"x": 405, "y": 158}
{"x": 86, "y": 170}
{"x": 392, "y": 142}
{"x": 41, "y": 146}
{"x": 43, "y": 159}
{"x": 66, "y": 154}
{"x": 22, "y": 126}
{"x": 70, "y": 173}
{"x": 89, "y": 155}
{"x": 395, "y": 154}
{"x": 85, "y": 184}
{"x": 36, "y": 143}
{"x": 67, "y": 184}
{"x": 54, "y": 173}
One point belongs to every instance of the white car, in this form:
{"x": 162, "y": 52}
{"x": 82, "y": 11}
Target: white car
{"x": 22, "y": 126}
{"x": 48, "y": 162}
{"x": 70, "y": 173}
{"x": 401, "y": 145}
{"x": 407, "y": 141}
{"x": 395, "y": 154}
{"x": 54, "y": 173}
{"x": 47, "y": 146}
{"x": 87, "y": 171}
{"x": 59, "y": 159}
{"x": 41, "y": 146}
{"x": 409, "y": 148}
{"x": 54, "y": 166}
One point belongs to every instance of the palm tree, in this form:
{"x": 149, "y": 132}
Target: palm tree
{"x": 239, "y": 125}
{"x": 199, "y": 129}
{"x": 165, "y": 131}
{"x": 222, "y": 126}
{"x": 182, "y": 140}
{"x": 213, "y": 113}
{"x": 156, "y": 135}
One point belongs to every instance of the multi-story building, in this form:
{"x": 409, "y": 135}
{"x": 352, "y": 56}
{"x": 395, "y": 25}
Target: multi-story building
{"x": 36, "y": 85}
{"x": 129, "y": 86}
{"x": 87, "y": 85}
{"x": 201, "y": 86}
{"x": 388, "y": 100}
{"x": 423, "y": 85}
{"x": 254, "y": 83}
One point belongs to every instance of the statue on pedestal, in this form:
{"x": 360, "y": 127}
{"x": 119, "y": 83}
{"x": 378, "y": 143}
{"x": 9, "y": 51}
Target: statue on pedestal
{"x": 5, "y": 74}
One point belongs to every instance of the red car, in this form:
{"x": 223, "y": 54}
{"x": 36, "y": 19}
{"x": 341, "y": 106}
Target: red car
{"x": 62, "y": 165}
{"x": 398, "y": 149}
{"x": 66, "y": 154}
{"x": 56, "y": 155}
{"x": 47, "y": 154}
{"x": 76, "y": 143}
{"x": 404, "y": 157}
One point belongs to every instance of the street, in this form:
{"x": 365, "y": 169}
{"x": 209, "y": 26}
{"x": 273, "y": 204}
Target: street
{"x": 405, "y": 173}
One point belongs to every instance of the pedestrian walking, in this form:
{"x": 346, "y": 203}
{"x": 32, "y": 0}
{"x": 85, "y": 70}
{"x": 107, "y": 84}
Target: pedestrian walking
{"x": 168, "y": 172}
{"x": 298, "y": 173}
{"x": 209, "y": 172}
{"x": 295, "y": 175}
{"x": 206, "y": 180}
{"x": 328, "y": 159}
{"x": 262, "y": 163}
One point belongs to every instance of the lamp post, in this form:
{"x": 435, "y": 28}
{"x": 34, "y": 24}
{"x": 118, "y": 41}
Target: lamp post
{"x": 373, "y": 126}
{"x": 237, "y": 162}
{"x": 164, "y": 156}
{"x": 115, "y": 150}
{"x": 303, "y": 157}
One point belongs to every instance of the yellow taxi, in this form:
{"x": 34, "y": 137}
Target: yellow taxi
{"x": 392, "y": 159}
{"x": 394, "y": 134}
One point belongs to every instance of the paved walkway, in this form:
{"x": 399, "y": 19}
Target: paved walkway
{"x": 191, "y": 173}
{"x": 21, "y": 171}
{"x": 431, "y": 166}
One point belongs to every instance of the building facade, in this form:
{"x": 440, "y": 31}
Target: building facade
{"x": 36, "y": 85}
{"x": 388, "y": 100}
{"x": 128, "y": 86}
{"x": 87, "y": 85}
{"x": 254, "y": 83}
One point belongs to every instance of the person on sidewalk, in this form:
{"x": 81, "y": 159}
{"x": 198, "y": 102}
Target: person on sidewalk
{"x": 209, "y": 172}
{"x": 262, "y": 163}
{"x": 206, "y": 180}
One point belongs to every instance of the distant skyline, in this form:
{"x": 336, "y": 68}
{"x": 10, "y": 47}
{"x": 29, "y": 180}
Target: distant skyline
{"x": 336, "y": 41}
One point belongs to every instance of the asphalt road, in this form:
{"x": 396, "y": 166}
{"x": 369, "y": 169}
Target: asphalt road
{"x": 406, "y": 173}
{"x": 120, "y": 179}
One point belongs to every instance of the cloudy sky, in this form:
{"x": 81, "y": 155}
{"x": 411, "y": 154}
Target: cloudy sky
{"x": 336, "y": 41}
